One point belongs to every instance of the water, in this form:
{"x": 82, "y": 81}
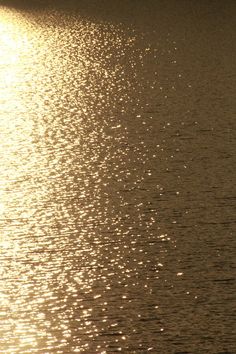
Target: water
{"x": 117, "y": 198}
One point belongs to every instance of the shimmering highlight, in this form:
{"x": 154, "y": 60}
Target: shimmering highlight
{"x": 114, "y": 205}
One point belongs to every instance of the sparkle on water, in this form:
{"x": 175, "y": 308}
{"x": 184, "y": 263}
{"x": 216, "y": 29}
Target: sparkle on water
{"x": 109, "y": 242}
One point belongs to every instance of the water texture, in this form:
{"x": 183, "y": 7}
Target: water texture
{"x": 117, "y": 171}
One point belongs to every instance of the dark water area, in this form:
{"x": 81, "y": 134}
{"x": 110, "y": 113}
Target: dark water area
{"x": 117, "y": 177}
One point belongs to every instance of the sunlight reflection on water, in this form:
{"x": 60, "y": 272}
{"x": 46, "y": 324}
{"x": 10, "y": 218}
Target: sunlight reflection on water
{"x": 101, "y": 214}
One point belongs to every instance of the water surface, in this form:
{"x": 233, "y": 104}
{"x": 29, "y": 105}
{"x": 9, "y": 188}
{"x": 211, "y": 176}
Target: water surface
{"x": 117, "y": 195}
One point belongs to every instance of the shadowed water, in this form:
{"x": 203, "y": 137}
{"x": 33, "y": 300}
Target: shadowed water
{"x": 117, "y": 197}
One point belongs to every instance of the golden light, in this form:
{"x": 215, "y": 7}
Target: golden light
{"x": 28, "y": 210}
{"x": 17, "y": 160}
{"x": 13, "y": 41}
{"x": 13, "y": 48}
{"x": 48, "y": 100}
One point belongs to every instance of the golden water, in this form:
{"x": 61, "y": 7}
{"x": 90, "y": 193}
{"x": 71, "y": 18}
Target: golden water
{"x": 116, "y": 181}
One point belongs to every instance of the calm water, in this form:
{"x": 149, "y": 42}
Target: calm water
{"x": 117, "y": 199}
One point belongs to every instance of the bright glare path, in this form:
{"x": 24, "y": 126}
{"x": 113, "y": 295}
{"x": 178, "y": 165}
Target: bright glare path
{"x": 15, "y": 85}
{"x": 38, "y": 225}
{"x": 17, "y": 332}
